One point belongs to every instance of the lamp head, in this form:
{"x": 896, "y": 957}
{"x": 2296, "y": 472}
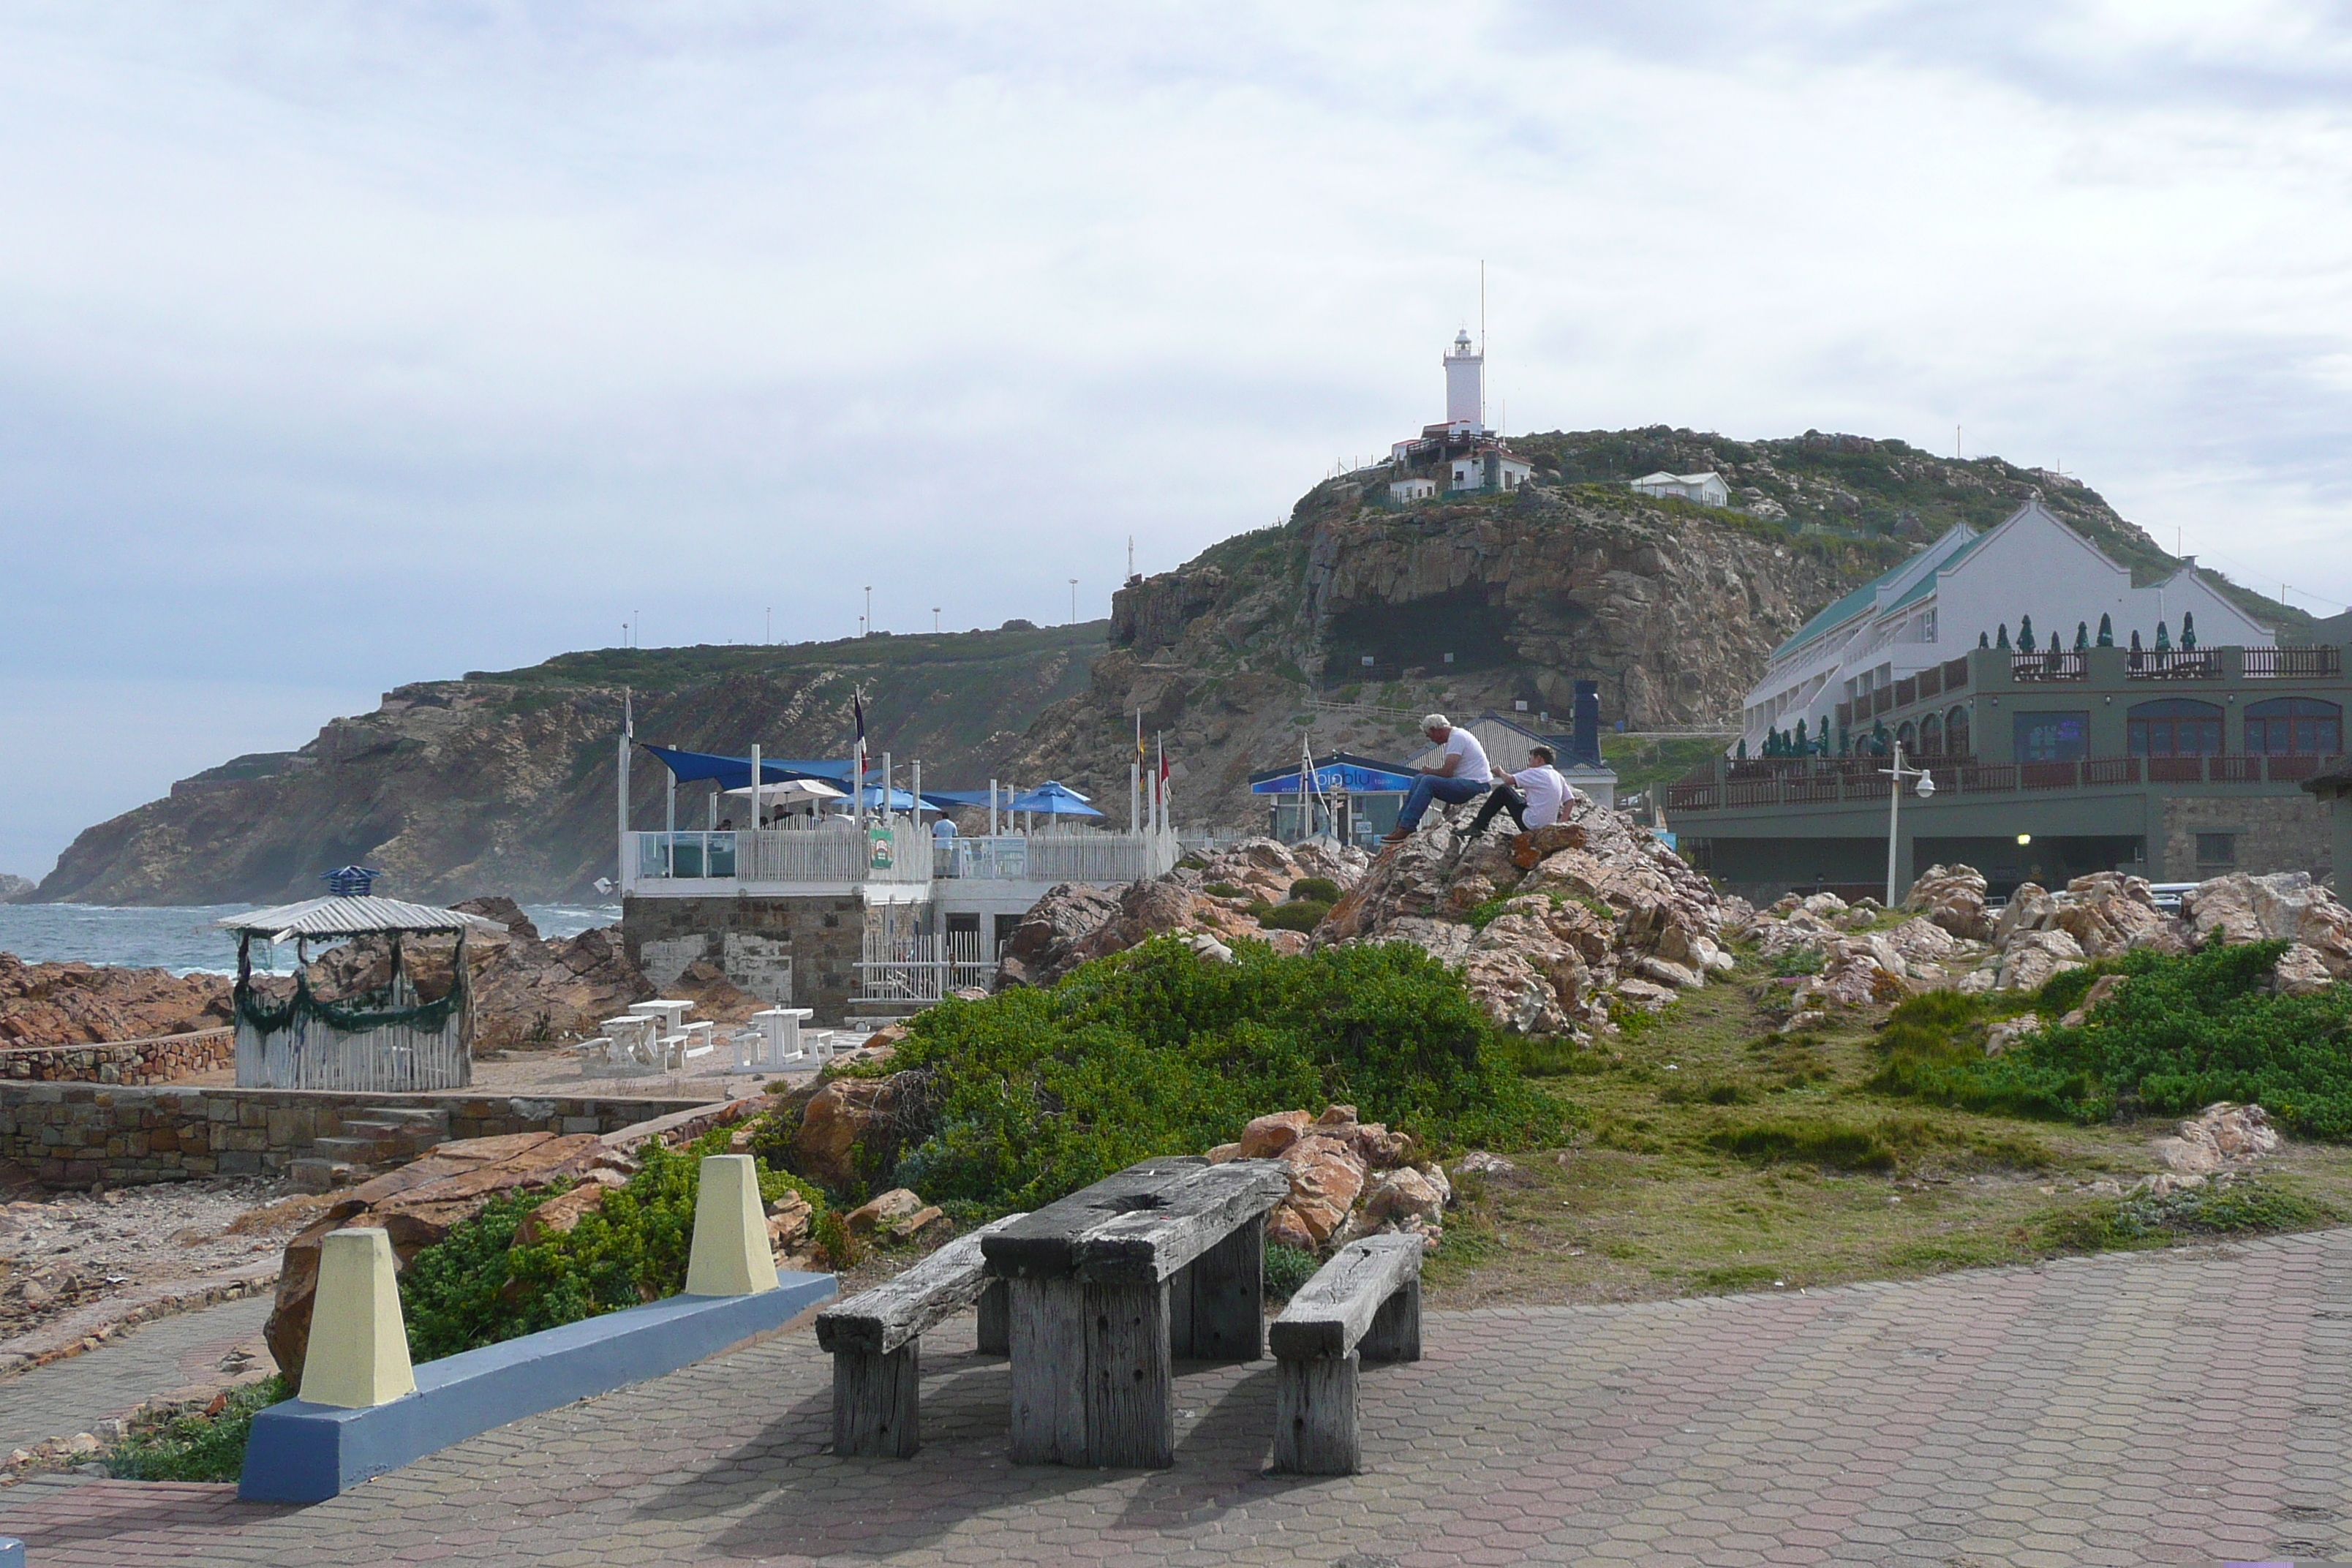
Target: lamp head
{"x": 1926, "y": 785}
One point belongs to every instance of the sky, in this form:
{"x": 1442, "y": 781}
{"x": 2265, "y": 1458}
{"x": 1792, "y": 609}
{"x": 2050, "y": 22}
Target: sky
{"x": 346, "y": 346}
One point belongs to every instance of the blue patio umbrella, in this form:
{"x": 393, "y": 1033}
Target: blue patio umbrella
{"x": 1053, "y": 799}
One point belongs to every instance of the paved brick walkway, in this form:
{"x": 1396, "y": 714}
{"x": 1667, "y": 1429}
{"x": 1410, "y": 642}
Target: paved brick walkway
{"x": 2179, "y": 1407}
{"x": 70, "y": 1396}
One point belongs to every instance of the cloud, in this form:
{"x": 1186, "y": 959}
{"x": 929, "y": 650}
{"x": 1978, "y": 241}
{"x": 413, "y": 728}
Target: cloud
{"x": 438, "y": 337}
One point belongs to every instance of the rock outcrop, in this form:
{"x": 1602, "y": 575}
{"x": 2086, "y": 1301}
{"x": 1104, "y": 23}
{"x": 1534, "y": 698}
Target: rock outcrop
{"x": 1347, "y": 1178}
{"x": 1073, "y": 923}
{"x": 2286, "y": 906}
{"x": 1572, "y": 919}
{"x": 83, "y": 1004}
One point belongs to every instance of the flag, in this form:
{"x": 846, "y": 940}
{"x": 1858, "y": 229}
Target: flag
{"x": 1139, "y": 735}
{"x": 858, "y": 708}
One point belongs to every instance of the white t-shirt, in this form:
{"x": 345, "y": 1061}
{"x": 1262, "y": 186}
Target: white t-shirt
{"x": 1473, "y": 767}
{"x": 1547, "y": 792}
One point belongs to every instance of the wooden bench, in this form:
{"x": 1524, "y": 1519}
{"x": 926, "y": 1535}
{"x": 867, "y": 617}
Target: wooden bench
{"x": 875, "y": 1340}
{"x": 1365, "y": 1304}
{"x": 1110, "y": 1283}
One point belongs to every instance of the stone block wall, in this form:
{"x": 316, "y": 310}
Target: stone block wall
{"x": 2269, "y": 832}
{"x": 166, "y": 1058}
{"x": 74, "y": 1135}
{"x": 813, "y": 943}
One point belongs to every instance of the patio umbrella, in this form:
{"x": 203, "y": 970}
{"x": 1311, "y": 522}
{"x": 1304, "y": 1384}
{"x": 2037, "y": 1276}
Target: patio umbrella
{"x": 793, "y": 790}
{"x": 1053, "y": 799}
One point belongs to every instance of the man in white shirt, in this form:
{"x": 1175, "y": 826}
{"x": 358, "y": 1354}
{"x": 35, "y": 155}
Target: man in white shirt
{"x": 1461, "y": 774}
{"x": 1535, "y": 797}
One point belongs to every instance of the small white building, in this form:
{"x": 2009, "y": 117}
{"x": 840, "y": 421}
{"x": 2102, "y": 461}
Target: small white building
{"x": 1707, "y": 490}
{"x": 1403, "y": 491}
{"x": 1487, "y": 467}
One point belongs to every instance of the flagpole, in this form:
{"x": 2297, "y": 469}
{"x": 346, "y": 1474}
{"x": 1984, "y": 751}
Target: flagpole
{"x": 628, "y": 736}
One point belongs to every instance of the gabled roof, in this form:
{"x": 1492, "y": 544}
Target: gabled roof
{"x": 352, "y": 917}
{"x": 1864, "y": 598}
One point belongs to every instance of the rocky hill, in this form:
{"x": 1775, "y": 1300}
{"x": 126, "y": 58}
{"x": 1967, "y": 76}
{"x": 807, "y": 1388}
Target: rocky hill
{"x": 505, "y": 783}
{"x": 1339, "y": 626}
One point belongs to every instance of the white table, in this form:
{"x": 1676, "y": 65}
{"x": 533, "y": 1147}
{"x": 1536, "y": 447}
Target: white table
{"x": 778, "y": 1042}
{"x": 671, "y": 1014}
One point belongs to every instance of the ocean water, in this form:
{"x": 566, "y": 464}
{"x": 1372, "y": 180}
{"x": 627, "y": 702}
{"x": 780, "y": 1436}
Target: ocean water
{"x": 182, "y": 939}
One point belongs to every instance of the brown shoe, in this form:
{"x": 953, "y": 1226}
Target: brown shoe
{"x": 1396, "y": 836}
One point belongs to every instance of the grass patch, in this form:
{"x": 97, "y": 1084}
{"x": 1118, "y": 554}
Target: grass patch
{"x": 1287, "y": 1270}
{"x": 196, "y": 1448}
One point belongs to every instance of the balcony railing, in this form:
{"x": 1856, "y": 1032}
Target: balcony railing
{"x": 1821, "y": 780}
{"x": 2289, "y": 663}
{"x": 831, "y": 856}
{"x": 2177, "y": 663}
{"x": 2046, "y": 666}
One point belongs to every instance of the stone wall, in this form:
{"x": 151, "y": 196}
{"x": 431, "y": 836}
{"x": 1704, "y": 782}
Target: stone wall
{"x": 760, "y": 943}
{"x": 163, "y": 1059}
{"x": 2270, "y": 833}
{"x": 72, "y": 1135}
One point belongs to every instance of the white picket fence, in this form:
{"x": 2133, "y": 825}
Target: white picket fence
{"x": 919, "y": 969}
{"x": 397, "y": 1058}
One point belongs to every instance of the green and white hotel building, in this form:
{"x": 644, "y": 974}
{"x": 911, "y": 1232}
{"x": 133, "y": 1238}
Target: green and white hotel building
{"x": 2174, "y": 765}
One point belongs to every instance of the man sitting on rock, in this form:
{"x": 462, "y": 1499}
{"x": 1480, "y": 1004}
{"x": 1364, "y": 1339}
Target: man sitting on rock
{"x": 1540, "y": 795}
{"x": 1461, "y": 774}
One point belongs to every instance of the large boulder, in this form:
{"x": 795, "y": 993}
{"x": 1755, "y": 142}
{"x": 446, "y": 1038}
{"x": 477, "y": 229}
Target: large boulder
{"x": 1595, "y": 911}
{"x": 2035, "y": 957}
{"x": 2284, "y": 906}
{"x": 1953, "y": 897}
{"x": 850, "y": 1119}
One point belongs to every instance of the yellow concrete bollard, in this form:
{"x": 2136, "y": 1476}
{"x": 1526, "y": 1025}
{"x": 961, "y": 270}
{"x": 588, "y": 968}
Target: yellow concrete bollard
{"x": 358, "y": 1347}
{"x": 730, "y": 1255}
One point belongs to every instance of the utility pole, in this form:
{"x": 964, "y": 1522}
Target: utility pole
{"x": 771, "y": 626}
{"x": 1074, "y": 601}
{"x": 869, "y": 609}
{"x": 935, "y": 620}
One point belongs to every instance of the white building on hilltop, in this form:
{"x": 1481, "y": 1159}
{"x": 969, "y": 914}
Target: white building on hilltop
{"x": 1465, "y": 387}
{"x": 1936, "y": 606}
{"x": 1707, "y": 490}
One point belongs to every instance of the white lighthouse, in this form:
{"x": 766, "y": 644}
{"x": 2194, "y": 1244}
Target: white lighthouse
{"x": 1465, "y": 387}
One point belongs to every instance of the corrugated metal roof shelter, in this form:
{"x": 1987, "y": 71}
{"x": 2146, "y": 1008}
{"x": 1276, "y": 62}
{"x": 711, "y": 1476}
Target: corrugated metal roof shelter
{"x": 318, "y": 919}
{"x": 382, "y": 1041}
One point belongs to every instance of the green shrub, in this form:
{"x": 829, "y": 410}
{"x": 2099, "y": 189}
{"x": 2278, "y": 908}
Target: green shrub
{"x": 1287, "y": 1270}
{"x": 1838, "y": 1145}
{"x": 196, "y": 1448}
{"x": 1293, "y": 917}
{"x": 1799, "y": 961}
{"x": 1035, "y": 1093}
{"x": 2185, "y": 1031}
{"x": 1224, "y": 890}
{"x": 1315, "y": 890}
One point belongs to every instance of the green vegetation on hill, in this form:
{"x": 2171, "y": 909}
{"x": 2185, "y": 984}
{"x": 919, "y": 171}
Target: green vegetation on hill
{"x": 2183, "y": 1032}
{"x": 1033, "y": 1094}
{"x": 659, "y": 669}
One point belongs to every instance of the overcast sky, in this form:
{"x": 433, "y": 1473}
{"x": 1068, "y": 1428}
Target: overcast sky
{"x": 343, "y": 346}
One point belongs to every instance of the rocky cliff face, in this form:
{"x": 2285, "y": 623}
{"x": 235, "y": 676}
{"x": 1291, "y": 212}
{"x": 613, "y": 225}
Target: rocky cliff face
{"x": 506, "y": 783}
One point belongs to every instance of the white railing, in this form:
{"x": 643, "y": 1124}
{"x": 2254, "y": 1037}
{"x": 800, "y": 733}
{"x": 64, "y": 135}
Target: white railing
{"x": 827, "y": 855}
{"x": 392, "y": 1058}
{"x": 1082, "y": 857}
{"x": 920, "y": 968}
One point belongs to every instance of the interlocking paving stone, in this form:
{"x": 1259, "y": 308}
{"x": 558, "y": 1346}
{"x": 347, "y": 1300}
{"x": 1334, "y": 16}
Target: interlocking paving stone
{"x": 74, "y": 1394}
{"x": 2170, "y": 1408}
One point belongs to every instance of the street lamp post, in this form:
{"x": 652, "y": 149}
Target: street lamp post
{"x": 1896, "y": 774}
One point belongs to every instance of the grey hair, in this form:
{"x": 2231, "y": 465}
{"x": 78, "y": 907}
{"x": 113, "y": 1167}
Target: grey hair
{"x": 1435, "y": 721}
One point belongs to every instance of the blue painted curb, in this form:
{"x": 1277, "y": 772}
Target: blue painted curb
{"x": 12, "y": 1552}
{"x": 301, "y": 1452}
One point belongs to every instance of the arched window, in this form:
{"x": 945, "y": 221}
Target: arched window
{"x": 1931, "y": 736}
{"x": 2174, "y": 727}
{"x": 2301, "y": 724}
{"x": 1906, "y": 735}
{"x": 1956, "y": 733}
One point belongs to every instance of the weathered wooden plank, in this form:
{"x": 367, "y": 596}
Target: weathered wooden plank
{"x": 1130, "y": 1418}
{"x": 1337, "y": 1307}
{"x": 997, "y": 1318}
{"x": 1179, "y": 1311}
{"x": 1315, "y": 1431}
{"x": 876, "y": 1403}
{"x": 1150, "y": 1244}
{"x": 1043, "y": 1244}
{"x": 1048, "y": 1373}
{"x": 1226, "y": 1288}
{"x": 877, "y": 1321}
{"x": 1395, "y": 1333}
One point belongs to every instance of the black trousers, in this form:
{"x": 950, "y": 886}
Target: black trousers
{"x": 1502, "y": 797}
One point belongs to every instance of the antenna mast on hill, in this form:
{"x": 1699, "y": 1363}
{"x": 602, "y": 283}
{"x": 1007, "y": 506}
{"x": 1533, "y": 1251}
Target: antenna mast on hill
{"x": 1482, "y": 310}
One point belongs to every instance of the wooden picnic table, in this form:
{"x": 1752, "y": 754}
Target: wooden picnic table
{"x": 1107, "y": 1286}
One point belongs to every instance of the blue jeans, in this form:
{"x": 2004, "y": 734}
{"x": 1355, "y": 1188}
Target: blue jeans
{"x": 1429, "y": 787}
